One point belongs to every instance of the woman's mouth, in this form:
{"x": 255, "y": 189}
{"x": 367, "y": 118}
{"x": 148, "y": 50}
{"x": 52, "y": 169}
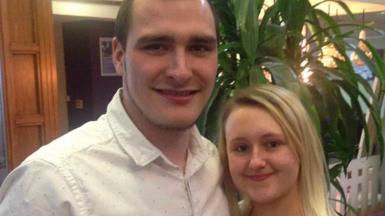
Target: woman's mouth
{"x": 260, "y": 177}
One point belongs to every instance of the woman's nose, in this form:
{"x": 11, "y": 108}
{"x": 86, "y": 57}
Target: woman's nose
{"x": 257, "y": 159}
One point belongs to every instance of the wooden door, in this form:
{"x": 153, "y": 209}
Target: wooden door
{"x": 29, "y": 76}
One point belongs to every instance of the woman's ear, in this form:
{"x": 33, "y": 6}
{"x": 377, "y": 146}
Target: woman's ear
{"x": 118, "y": 56}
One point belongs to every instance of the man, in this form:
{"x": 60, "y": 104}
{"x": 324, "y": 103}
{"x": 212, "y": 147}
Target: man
{"x": 144, "y": 156}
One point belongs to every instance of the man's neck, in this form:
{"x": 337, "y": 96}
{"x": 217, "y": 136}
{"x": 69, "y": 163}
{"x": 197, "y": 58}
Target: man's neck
{"x": 173, "y": 143}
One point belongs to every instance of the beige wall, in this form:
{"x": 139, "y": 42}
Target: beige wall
{"x": 63, "y": 116}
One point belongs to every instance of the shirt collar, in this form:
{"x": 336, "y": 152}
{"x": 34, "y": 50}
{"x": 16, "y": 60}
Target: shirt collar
{"x": 138, "y": 147}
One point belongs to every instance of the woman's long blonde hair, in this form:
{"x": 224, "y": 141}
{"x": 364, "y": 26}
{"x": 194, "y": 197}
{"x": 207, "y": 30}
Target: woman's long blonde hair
{"x": 303, "y": 139}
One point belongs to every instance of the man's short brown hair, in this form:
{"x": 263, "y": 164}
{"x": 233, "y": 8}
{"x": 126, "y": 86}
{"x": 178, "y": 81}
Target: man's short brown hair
{"x": 124, "y": 17}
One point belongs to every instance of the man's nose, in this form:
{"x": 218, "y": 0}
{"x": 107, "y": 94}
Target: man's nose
{"x": 179, "y": 70}
{"x": 258, "y": 159}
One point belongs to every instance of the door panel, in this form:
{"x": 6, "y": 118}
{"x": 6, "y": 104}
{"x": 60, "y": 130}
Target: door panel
{"x": 25, "y": 77}
{"x": 22, "y": 19}
{"x": 30, "y": 140}
{"x": 29, "y": 76}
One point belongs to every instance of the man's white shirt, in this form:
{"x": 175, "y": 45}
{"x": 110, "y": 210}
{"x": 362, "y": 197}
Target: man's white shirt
{"x": 107, "y": 167}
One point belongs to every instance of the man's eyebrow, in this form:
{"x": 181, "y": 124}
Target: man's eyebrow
{"x": 155, "y": 38}
{"x": 166, "y": 38}
{"x": 203, "y": 39}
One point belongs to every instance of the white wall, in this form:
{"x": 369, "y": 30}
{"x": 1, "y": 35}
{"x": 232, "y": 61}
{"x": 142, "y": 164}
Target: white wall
{"x": 84, "y": 9}
{"x": 63, "y": 114}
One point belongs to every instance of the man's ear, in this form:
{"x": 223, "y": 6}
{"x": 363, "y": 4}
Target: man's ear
{"x": 118, "y": 56}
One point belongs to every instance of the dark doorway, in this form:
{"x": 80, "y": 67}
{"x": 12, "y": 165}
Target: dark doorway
{"x": 89, "y": 87}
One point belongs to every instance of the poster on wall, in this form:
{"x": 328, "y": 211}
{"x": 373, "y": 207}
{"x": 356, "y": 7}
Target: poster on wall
{"x": 105, "y": 49}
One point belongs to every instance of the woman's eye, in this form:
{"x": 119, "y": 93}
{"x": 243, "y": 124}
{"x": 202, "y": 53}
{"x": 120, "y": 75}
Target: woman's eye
{"x": 273, "y": 144}
{"x": 241, "y": 148}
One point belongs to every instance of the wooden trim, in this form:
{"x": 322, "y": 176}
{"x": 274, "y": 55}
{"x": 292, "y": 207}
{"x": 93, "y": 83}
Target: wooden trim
{"x": 29, "y": 120}
{"x": 4, "y": 128}
{"x": 24, "y": 48}
{"x": 104, "y": 2}
{"x": 49, "y": 88}
{"x": 7, "y": 88}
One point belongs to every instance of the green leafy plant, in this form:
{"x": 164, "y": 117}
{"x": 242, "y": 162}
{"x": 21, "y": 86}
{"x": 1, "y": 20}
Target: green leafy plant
{"x": 258, "y": 40}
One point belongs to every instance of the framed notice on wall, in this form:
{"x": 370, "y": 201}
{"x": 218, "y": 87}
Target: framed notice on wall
{"x": 105, "y": 49}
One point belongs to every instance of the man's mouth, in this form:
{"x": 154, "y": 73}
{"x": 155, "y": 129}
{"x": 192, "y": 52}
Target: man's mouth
{"x": 178, "y": 96}
{"x": 177, "y": 92}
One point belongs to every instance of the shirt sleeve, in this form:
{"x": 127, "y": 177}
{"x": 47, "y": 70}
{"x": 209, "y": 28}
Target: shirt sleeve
{"x": 40, "y": 188}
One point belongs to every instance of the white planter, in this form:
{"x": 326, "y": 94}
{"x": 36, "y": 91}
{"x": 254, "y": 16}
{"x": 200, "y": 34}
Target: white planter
{"x": 364, "y": 185}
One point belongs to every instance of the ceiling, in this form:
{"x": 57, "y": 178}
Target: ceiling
{"x": 107, "y": 9}
{"x": 356, "y": 6}
{"x": 82, "y": 7}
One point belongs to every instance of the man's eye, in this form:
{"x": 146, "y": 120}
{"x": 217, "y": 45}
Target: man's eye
{"x": 201, "y": 50}
{"x": 155, "y": 48}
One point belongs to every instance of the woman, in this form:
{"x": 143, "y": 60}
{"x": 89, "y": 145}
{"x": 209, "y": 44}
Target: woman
{"x": 272, "y": 155}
